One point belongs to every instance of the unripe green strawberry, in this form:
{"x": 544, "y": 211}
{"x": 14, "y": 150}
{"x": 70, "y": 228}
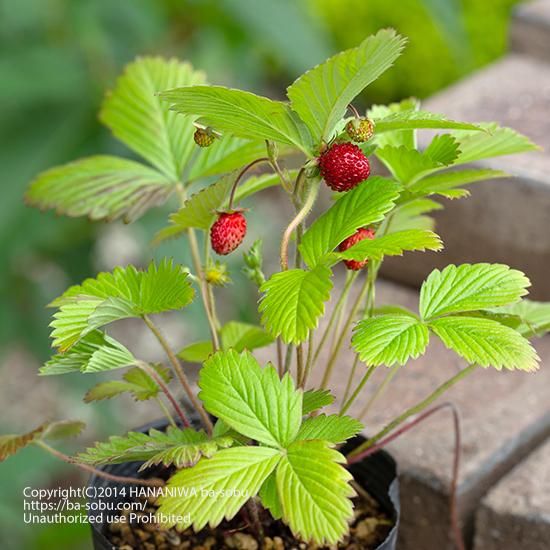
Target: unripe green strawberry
{"x": 360, "y": 129}
{"x": 203, "y": 137}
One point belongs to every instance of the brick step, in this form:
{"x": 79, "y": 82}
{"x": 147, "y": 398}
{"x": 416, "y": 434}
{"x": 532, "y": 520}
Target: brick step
{"x": 504, "y": 416}
{"x": 530, "y": 30}
{"x": 516, "y": 512}
{"x": 505, "y": 220}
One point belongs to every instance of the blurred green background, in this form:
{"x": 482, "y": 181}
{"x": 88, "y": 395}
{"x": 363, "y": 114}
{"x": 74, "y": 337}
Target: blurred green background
{"x": 56, "y": 59}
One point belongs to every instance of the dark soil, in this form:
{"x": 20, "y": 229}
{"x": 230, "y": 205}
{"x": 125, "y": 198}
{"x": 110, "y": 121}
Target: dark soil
{"x": 368, "y": 529}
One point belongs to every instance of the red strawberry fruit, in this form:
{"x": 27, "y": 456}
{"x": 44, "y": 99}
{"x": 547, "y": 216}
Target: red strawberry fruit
{"x": 359, "y": 235}
{"x": 227, "y": 232}
{"x": 343, "y": 166}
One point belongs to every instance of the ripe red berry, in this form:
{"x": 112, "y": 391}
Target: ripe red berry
{"x": 359, "y": 235}
{"x": 343, "y": 166}
{"x": 227, "y": 232}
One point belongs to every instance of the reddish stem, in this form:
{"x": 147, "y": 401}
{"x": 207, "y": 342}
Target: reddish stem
{"x": 453, "y": 510}
{"x": 241, "y": 174}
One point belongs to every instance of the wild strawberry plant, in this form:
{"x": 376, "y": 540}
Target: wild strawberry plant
{"x": 262, "y": 428}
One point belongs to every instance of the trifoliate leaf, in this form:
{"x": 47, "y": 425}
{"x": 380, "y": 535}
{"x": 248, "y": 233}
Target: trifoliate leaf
{"x": 293, "y": 301}
{"x": 95, "y": 352}
{"x": 314, "y": 491}
{"x": 470, "y": 287}
{"x": 252, "y": 400}
{"x": 314, "y": 400}
{"x": 180, "y": 447}
{"x": 134, "y": 381}
{"x": 216, "y": 488}
{"x": 136, "y": 115}
{"x": 390, "y": 339}
{"x": 126, "y": 292}
{"x": 100, "y": 187}
{"x": 486, "y": 342}
{"x": 321, "y": 96}
{"x": 365, "y": 204}
{"x": 392, "y": 245}
{"x": 333, "y": 428}
{"x": 241, "y": 114}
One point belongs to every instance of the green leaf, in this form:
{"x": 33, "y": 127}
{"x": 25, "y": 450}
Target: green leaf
{"x": 241, "y": 114}
{"x": 411, "y": 119}
{"x": 392, "y": 245}
{"x": 293, "y": 302}
{"x": 241, "y": 336}
{"x": 224, "y": 155}
{"x": 395, "y": 138}
{"x": 212, "y": 486}
{"x": 12, "y": 443}
{"x": 126, "y": 292}
{"x": 198, "y": 352}
{"x": 390, "y": 339}
{"x": 63, "y": 429}
{"x": 316, "y": 399}
{"x": 179, "y": 447}
{"x": 95, "y": 352}
{"x": 333, "y": 428}
{"x": 314, "y": 490}
{"x": 364, "y": 205}
{"x": 534, "y": 317}
{"x": 470, "y": 287}
{"x": 321, "y": 96}
{"x": 252, "y": 400}
{"x": 446, "y": 182}
{"x": 410, "y": 215}
{"x": 134, "y": 381}
{"x": 486, "y": 342}
{"x": 270, "y": 497}
{"x": 496, "y": 141}
{"x": 409, "y": 165}
{"x": 136, "y": 116}
{"x": 101, "y": 187}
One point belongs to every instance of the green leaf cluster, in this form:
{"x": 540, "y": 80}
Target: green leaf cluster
{"x": 293, "y": 467}
{"x": 452, "y": 306}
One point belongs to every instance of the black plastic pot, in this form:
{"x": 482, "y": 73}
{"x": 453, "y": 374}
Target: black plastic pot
{"x": 377, "y": 474}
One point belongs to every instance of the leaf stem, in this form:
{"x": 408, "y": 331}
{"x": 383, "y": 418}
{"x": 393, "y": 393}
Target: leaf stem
{"x": 379, "y": 391}
{"x": 180, "y": 373}
{"x": 298, "y": 219}
{"x": 309, "y": 360}
{"x": 154, "y": 482}
{"x": 453, "y": 508}
{"x": 357, "y": 391}
{"x": 162, "y": 385}
{"x": 344, "y": 332}
{"x": 238, "y": 179}
{"x": 166, "y": 412}
{"x": 416, "y": 409}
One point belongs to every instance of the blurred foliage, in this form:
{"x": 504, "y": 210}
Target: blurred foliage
{"x": 447, "y": 38}
{"x": 56, "y": 59}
